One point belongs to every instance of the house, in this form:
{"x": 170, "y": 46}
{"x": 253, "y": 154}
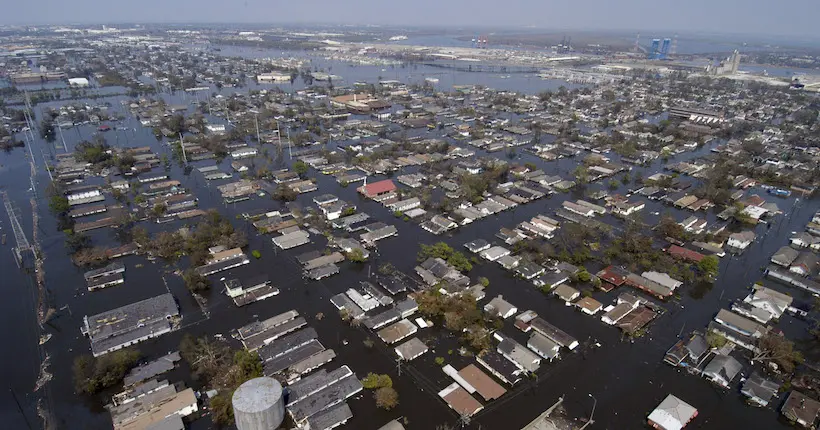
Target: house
{"x": 439, "y": 224}
{"x": 578, "y": 209}
{"x": 686, "y": 254}
{"x": 663, "y": 279}
{"x": 649, "y": 286}
{"x": 405, "y": 205}
{"x": 801, "y": 409}
{"x": 500, "y": 307}
{"x": 759, "y": 390}
{"x": 566, "y": 293}
{"x": 687, "y": 352}
{"x": 375, "y": 190}
{"x": 773, "y": 303}
{"x": 804, "y": 240}
{"x": 613, "y": 275}
{"x": 672, "y": 414}
{"x": 805, "y": 264}
{"x": 477, "y": 245}
{"x": 741, "y": 240}
{"x": 785, "y": 256}
{"x": 244, "y": 152}
{"x": 624, "y": 208}
{"x": 522, "y": 357}
{"x": 554, "y": 333}
{"x": 460, "y": 400}
{"x": 551, "y": 279}
{"x": 483, "y": 384}
{"x": 543, "y": 346}
{"x": 589, "y": 306}
{"x": 740, "y": 324}
{"x": 722, "y": 370}
{"x": 617, "y": 312}
{"x": 494, "y": 253}
{"x": 528, "y": 270}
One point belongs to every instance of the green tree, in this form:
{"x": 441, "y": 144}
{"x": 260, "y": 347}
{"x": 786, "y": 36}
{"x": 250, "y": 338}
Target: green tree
{"x": 774, "y": 347}
{"x": 374, "y": 381}
{"x": 583, "y": 275}
{"x": 222, "y": 409}
{"x": 356, "y": 256}
{"x": 92, "y": 375}
{"x": 581, "y": 174}
{"x": 444, "y": 251}
{"x": 300, "y": 167}
{"x": 194, "y": 281}
{"x": 709, "y": 265}
{"x": 284, "y": 193}
{"x": 58, "y": 204}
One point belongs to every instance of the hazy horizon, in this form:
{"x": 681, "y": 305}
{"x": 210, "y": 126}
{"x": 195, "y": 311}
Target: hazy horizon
{"x": 750, "y": 17}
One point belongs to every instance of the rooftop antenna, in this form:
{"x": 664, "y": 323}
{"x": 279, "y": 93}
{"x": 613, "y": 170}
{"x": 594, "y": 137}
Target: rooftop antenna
{"x": 398, "y": 366}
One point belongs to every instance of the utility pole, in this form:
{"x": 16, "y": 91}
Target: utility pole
{"x": 182, "y": 145}
{"x": 290, "y": 151}
{"x": 65, "y": 147}
{"x": 256, "y": 120}
{"x": 591, "y": 419}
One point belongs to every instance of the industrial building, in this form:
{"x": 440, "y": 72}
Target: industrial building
{"x": 131, "y": 324}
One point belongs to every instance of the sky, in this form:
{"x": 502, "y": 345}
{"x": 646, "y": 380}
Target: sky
{"x": 764, "y": 17}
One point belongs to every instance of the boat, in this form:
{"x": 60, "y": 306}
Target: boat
{"x": 431, "y": 80}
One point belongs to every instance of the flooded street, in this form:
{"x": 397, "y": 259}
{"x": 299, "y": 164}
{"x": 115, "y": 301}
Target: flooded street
{"x": 627, "y": 378}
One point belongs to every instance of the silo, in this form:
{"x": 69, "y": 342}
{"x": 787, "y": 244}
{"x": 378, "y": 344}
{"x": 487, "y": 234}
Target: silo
{"x": 258, "y": 404}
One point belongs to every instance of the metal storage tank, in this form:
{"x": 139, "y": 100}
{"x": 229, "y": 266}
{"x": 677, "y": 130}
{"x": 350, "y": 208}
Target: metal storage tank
{"x": 258, "y": 404}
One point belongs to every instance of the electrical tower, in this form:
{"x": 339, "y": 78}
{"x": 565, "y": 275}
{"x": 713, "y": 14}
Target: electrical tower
{"x": 23, "y": 253}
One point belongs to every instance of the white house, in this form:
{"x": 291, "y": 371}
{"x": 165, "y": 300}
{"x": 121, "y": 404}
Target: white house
{"x": 741, "y": 240}
{"x": 273, "y": 78}
{"x": 244, "y": 152}
{"x": 77, "y": 82}
{"x": 804, "y": 240}
{"x": 215, "y": 128}
{"x": 500, "y": 307}
{"x": 494, "y": 253}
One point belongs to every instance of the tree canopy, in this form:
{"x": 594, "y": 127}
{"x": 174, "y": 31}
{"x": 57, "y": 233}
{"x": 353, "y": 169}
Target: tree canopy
{"x": 447, "y": 253}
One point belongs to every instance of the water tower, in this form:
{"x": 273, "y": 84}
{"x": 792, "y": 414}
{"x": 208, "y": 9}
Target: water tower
{"x": 259, "y": 404}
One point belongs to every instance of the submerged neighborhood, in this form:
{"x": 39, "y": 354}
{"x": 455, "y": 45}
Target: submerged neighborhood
{"x": 271, "y": 228}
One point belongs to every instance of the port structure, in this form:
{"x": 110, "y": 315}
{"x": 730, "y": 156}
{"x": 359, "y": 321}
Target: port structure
{"x": 658, "y": 49}
{"x": 23, "y": 252}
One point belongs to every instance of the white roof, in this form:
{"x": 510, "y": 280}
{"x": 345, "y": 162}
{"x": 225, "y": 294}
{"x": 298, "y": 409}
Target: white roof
{"x": 672, "y": 414}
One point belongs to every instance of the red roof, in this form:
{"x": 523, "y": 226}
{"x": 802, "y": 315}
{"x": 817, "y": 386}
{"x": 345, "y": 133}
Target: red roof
{"x": 688, "y": 254}
{"x": 612, "y": 275}
{"x": 377, "y": 188}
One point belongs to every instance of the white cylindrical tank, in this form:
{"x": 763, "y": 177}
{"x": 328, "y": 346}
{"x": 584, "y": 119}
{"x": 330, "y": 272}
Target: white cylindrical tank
{"x": 259, "y": 404}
